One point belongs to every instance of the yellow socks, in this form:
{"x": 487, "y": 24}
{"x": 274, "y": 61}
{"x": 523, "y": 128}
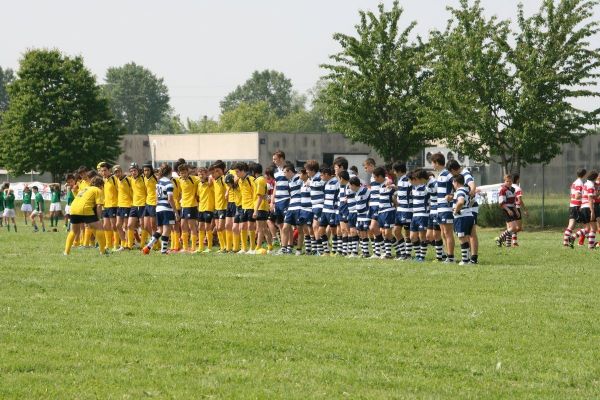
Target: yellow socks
{"x": 116, "y": 239}
{"x": 108, "y": 235}
{"x": 69, "y": 242}
{"x": 209, "y": 240}
{"x": 145, "y": 236}
{"x": 201, "y": 242}
{"x": 222, "y": 240}
{"x": 101, "y": 237}
{"x": 194, "y": 242}
{"x": 229, "y": 240}
{"x": 244, "y": 240}
{"x": 236, "y": 241}
{"x": 87, "y": 237}
{"x": 130, "y": 238}
{"x": 185, "y": 237}
{"x": 252, "y": 235}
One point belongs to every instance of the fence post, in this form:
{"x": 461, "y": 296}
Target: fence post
{"x": 543, "y": 192}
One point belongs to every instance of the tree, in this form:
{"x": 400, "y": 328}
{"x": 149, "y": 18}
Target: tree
{"x": 6, "y": 77}
{"x": 300, "y": 121}
{"x": 57, "y": 119}
{"x": 512, "y": 103}
{"x": 203, "y": 125}
{"x": 248, "y": 117}
{"x": 170, "y": 124}
{"x": 373, "y": 88}
{"x": 137, "y": 97}
{"x": 267, "y": 86}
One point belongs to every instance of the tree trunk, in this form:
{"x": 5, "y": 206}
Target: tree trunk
{"x": 56, "y": 177}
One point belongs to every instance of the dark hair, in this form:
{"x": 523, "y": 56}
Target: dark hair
{"x": 104, "y": 165}
{"x": 354, "y": 169}
{"x": 312, "y": 165}
{"x": 69, "y": 176}
{"x": 354, "y": 181}
{"x": 242, "y": 166}
{"x": 34, "y": 187}
{"x": 341, "y": 162}
{"x": 219, "y": 165}
{"x": 279, "y": 154}
{"x": 97, "y": 181}
{"x": 452, "y": 165}
{"x": 91, "y": 174}
{"x": 148, "y": 164}
{"x": 422, "y": 174}
{"x": 344, "y": 175}
{"x": 269, "y": 171}
{"x": 438, "y": 158}
{"x": 460, "y": 179}
{"x": 180, "y": 161}
{"x": 257, "y": 168}
{"x": 399, "y": 167}
{"x": 165, "y": 170}
{"x": 289, "y": 167}
{"x": 592, "y": 176}
{"x": 183, "y": 167}
{"x": 379, "y": 171}
{"x": 581, "y": 172}
{"x": 326, "y": 170}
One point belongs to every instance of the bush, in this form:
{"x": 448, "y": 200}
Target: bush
{"x": 490, "y": 216}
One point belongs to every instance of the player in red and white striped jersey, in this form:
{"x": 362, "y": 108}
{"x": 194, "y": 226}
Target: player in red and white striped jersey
{"x": 574, "y": 205}
{"x": 587, "y": 213}
{"x": 506, "y": 199}
{"x": 520, "y": 208}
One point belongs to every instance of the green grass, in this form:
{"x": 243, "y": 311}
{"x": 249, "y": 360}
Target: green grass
{"x": 523, "y": 324}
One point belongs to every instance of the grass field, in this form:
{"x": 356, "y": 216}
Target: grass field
{"x": 525, "y": 323}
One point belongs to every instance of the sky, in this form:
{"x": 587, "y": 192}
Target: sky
{"x": 203, "y": 49}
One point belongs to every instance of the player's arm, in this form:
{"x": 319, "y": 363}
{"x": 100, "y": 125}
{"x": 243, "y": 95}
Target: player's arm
{"x": 503, "y": 203}
{"x": 460, "y": 202}
{"x": 171, "y": 200}
{"x": 472, "y": 188}
{"x": 525, "y": 208}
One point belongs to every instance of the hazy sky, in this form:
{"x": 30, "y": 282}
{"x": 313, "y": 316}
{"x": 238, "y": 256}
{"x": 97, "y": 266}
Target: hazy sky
{"x": 203, "y": 49}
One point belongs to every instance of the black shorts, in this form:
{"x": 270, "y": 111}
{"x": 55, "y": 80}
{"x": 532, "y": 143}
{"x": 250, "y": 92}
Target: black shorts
{"x": 110, "y": 212}
{"x": 136, "y": 212}
{"x": 574, "y": 213}
{"x": 585, "y": 215}
{"x": 220, "y": 214}
{"x": 150, "y": 211}
{"x": 205, "y": 216}
{"x": 247, "y": 216}
{"x": 189, "y": 213}
{"x": 83, "y": 219}
{"x": 123, "y": 212}
{"x": 262, "y": 215}
{"x": 597, "y": 210}
{"x": 518, "y": 215}
{"x": 238, "y": 215}
{"x": 231, "y": 210}
{"x": 507, "y": 217}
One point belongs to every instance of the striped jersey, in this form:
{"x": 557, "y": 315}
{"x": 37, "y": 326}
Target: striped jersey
{"x": 282, "y": 192}
{"x": 350, "y": 198}
{"x": 386, "y": 195}
{"x": 305, "y": 200}
{"x": 473, "y": 205}
{"x": 444, "y": 188}
{"x": 331, "y": 190}
{"x": 589, "y": 193}
{"x": 463, "y": 193}
{"x": 420, "y": 201}
{"x": 403, "y": 194}
{"x": 342, "y": 200}
{"x": 374, "y": 198}
{"x": 317, "y": 191}
{"x": 519, "y": 193}
{"x": 506, "y": 196}
{"x": 361, "y": 202}
{"x": 164, "y": 188}
{"x": 432, "y": 190}
{"x": 576, "y": 189}
{"x": 294, "y": 187}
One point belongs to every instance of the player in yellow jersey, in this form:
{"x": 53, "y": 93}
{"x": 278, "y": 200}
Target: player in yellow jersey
{"x": 189, "y": 207}
{"x": 85, "y": 209}
{"x": 176, "y": 231}
{"x": 247, "y": 223}
{"x": 124, "y": 203}
{"x": 150, "y": 210}
{"x": 234, "y": 211}
{"x": 136, "y": 214}
{"x": 109, "y": 213}
{"x": 220, "y": 189}
{"x": 206, "y": 208}
{"x": 262, "y": 207}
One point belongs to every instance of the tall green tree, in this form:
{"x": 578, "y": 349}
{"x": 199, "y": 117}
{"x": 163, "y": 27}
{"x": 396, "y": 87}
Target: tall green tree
{"x": 373, "y": 87}
{"x": 6, "y": 77}
{"x": 57, "y": 119}
{"x": 203, "y": 125}
{"x": 267, "y": 86}
{"x": 138, "y": 97}
{"x": 248, "y": 117}
{"x": 507, "y": 97}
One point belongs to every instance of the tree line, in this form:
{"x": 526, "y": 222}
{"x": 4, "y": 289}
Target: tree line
{"x": 493, "y": 91}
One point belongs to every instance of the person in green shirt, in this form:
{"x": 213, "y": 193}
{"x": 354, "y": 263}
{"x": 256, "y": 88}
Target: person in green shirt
{"x": 3, "y": 190}
{"x": 38, "y": 209}
{"x": 26, "y": 207}
{"x": 9, "y": 209}
{"x": 71, "y": 183}
{"x": 55, "y": 208}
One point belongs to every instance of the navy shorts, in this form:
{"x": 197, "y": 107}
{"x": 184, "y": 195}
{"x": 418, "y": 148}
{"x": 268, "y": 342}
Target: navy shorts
{"x": 83, "y": 219}
{"x": 419, "y": 224}
{"x": 246, "y": 216}
{"x": 280, "y": 211}
{"x": 165, "y": 218}
{"x": 220, "y": 214}
{"x": 317, "y": 213}
{"x": 386, "y": 219}
{"x": 463, "y": 226}
{"x": 306, "y": 217}
{"x": 262, "y": 215}
{"x": 136, "y": 212}
{"x": 292, "y": 217}
{"x": 403, "y": 218}
{"x": 150, "y": 211}
{"x": 205, "y": 216}
{"x": 352, "y": 220}
{"x": 328, "y": 219}
{"x": 433, "y": 222}
{"x": 238, "y": 215}
{"x": 445, "y": 217}
{"x": 189, "y": 213}
{"x": 363, "y": 224}
{"x": 475, "y": 215}
{"x": 373, "y": 212}
{"x": 343, "y": 217}
{"x": 123, "y": 212}
{"x": 110, "y": 212}
{"x": 231, "y": 210}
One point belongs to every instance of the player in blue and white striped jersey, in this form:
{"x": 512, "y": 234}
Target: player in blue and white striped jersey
{"x": 386, "y": 211}
{"x": 328, "y": 217}
{"x": 358, "y": 218}
{"x": 317, "y": 197}
{"x": 292, "y": 215}
{"x": 444, "y": 206}
{"x": 420, "y": 213}
{"x": 342, "y": 216}
{"x": 455, "y": 169}
{"x": 306, "y": 216}
{"x": 374, "y": 229}
{"x": 463, "y": 218}
{"x": 165, "y": 214}
{"x": 351, "y": 201}
{"x": 281, "y": 195}
{"x": 434, "y": 233}
{"x": 403, "y": 245}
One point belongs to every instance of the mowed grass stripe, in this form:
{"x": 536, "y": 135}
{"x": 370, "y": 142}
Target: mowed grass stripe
{"x": 524, "y": 323}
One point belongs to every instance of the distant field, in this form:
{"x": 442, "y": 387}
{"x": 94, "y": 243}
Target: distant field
{"x": 523, "y": 324}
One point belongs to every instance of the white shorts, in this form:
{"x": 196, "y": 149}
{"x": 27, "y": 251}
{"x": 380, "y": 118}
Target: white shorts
{"x": 9, "y": 213}
{"x": 55, "y": 207}
{"x": 34, "y": 213}
{"x": 67, "y": 209}
{"x": 26, "y": 208}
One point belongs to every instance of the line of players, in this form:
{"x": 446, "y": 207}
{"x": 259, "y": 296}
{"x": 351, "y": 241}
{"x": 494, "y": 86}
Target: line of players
{"x": 584, "y": 209}
{"x": 329, "y": 209}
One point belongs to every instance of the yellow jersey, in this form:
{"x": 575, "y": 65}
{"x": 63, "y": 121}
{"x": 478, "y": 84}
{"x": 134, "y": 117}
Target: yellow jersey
{"x": 139, "y": 191}
{"x": 86, "y": 201}
{"x": 247, "y": 192}
{"x": 176, "y": 193}
{"x": 260, "y": 190}
{"x": 125, "y": 194}
{"x": 231, "y": 196}
{"x": 81, "y": 184}
{"x": 150, "y": 184}
{"x": 206, "y": 194}
{"x": 111, "y": 192}
{"x": 189, "y": 191}
{"x": 219, "y": 190}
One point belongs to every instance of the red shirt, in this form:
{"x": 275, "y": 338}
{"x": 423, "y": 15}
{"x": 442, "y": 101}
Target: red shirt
{"x": 506, "y": 196}
{"x": 576, "y": 188}
{"x": 518, "y": 194}
{"x": 589, "y": 194}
